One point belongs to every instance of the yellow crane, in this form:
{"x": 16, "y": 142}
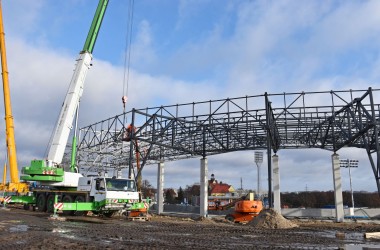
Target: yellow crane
{"x": 14, "y": 186}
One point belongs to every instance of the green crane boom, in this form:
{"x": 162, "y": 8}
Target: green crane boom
{"x": 38, "y": 169}
{"x": 95, "y": 26}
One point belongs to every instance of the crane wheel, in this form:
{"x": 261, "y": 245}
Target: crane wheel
{"x": 109, "y": 214}
{"x": 79, "y": 199}
{"x": 68, "y": 199}
{"x": 41, "y": 203}
{"x": 50, "y": 203}
{"x": 229, "y": 217}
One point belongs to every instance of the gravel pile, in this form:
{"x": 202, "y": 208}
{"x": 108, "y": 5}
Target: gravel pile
{"x": 269, "y": 218}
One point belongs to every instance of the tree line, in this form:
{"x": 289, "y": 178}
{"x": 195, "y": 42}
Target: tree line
{"x": 306, "y": 199}
{"x": 171, "y": 196}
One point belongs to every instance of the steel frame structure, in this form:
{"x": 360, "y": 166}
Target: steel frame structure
{"x": 328, "y": 120}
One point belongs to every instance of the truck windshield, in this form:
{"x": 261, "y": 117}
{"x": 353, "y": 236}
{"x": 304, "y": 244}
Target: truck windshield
{"x": 120, "y": 185}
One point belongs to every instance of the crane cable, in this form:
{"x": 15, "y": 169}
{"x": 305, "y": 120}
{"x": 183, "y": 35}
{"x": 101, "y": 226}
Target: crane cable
{"x": 127, "y": 57}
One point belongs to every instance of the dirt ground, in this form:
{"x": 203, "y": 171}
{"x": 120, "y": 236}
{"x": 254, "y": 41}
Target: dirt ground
{"x": 20, "y": 229}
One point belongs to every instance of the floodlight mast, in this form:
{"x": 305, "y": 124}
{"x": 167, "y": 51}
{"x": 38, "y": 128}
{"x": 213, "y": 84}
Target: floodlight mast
{"x": 258, "y": 161}
{"x": 347, "y": 163}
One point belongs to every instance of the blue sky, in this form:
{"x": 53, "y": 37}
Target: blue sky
{"x": 199, "y": 50}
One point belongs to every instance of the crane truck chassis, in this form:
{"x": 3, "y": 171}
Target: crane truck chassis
{"x": 99, "y": 194}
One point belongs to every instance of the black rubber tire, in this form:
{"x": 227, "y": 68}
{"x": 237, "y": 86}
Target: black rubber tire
{"x": 79, "y": 199}
{"x": 109, "y": 214}
{"x": 68, "y": 199}
{"x": 41, "y": 202}
{"x": 50, "y": 203}
{"x": 229, "y": 217}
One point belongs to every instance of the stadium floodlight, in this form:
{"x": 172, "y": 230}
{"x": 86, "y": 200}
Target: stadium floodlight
{"x": 348, "y": 163}
{"x": 258, "y": 161}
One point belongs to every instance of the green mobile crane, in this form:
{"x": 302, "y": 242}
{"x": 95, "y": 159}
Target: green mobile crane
{"x": 74, "y": 191}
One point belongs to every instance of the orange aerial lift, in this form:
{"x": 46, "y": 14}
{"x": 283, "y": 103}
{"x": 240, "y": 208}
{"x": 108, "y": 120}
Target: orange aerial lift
{"x": 14, "y": 186}
{"x": 245, "y": 210}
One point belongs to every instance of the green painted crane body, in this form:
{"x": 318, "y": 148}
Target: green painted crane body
{"x": 53, "y": 176}
{"x": 38, "y": 170}
{"x": 95, "y": 26}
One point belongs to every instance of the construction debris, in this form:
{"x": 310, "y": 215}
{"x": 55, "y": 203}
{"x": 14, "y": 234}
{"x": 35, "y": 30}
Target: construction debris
{"x": 340, "y": 235}
{"x": 373, "y": 235}
{"x": 270, "y": 218}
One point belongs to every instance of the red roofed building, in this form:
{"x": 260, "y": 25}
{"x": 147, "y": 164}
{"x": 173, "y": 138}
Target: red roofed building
{"x": 220, "y": 194}
{"x": 219, "y": 189}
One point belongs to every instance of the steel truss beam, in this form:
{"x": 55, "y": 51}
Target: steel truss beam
{"x": 328, "y": 120}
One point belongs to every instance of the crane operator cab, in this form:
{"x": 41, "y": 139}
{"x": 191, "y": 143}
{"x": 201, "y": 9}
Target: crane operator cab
{"x": 110, "y": 189}
{"x": 106, "y": 184}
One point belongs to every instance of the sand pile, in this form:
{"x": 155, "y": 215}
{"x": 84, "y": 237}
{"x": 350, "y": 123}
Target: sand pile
{"x": 269, "y": 218}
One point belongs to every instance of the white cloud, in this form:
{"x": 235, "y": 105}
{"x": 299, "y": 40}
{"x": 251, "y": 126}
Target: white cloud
{"x": 27, "y": 13}
{"x": 143, "y": 48}
{"x": 347, "y": 26}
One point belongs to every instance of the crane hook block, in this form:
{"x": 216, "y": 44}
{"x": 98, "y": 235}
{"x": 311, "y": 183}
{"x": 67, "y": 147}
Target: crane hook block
{"x": 124, "y": 99}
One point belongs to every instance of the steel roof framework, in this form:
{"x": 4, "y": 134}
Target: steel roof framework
{"x": 328, "y": 120}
